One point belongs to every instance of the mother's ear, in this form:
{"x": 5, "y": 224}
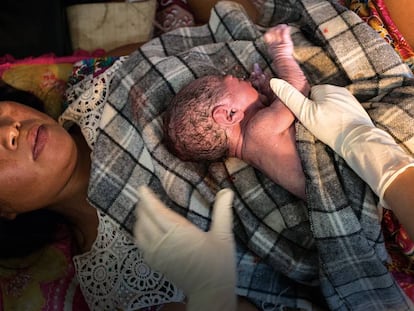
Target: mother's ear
{"x": 8, "y": 215}
{"x": 6, "y": 210}
{"x": 226, "y": 115}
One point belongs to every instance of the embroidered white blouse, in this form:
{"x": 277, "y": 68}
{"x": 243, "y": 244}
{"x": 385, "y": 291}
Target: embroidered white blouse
{"x": 112, "y": 275}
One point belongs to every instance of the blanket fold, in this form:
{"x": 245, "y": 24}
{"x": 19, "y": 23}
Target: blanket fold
{"x": 328, "y": 252}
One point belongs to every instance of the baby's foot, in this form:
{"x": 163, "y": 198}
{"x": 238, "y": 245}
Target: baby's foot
{"x": 279, "y": 41}
{"x": 280, "y": 49}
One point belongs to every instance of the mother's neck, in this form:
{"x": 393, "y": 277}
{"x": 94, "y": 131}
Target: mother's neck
{"x": 74, "y": 205}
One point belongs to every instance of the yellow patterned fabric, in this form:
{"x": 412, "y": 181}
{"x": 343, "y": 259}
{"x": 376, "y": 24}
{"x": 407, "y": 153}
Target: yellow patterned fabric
{"x": 42, "y": 281}
{"x": 376, "y": 15}
{"x": 46, "y": 81}
{"x": 399, "y": 245}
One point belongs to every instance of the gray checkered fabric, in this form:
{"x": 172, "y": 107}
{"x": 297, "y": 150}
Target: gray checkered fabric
{"x": 328, "y": 252}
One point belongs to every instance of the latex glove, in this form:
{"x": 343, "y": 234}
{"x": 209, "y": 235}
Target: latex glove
{"x": 336, "y": 118}
{"x": 201, "y": 263}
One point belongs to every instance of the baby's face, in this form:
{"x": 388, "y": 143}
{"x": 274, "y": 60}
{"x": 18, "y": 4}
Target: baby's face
{"x": 243, "y": 94}
{"x": 37, "y": 158}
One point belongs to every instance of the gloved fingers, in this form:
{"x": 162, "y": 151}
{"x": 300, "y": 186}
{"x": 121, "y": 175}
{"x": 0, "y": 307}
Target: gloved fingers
{"x": 161, "y": 215}
{"x": 153, "y": 229}
{"x": 157, "y": 250}
{"x": 324, "y": 91}
{"x": 146, "y": 228}
{"x": 340, "y": 97}
{"x": 290, "y": 96}
{"x": 151, "y": 209}
{"x": 222, "y": 217}
{"x": 339, "y": 101}
{"x": 143, "y": 236}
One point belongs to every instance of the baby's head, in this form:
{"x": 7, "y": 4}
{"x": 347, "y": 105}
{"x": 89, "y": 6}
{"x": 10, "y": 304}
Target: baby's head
{"x": 190, "y": 132}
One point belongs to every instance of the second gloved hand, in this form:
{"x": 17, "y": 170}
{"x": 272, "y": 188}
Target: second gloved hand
{"x": 336, "y": 117}
{"x": 201, "y": 263}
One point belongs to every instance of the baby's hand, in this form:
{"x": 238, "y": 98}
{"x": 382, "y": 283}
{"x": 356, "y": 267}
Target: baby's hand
{"x": 261, "y": 82}
{"x": 258, "y": 78}
{"x": 279, "y": 41}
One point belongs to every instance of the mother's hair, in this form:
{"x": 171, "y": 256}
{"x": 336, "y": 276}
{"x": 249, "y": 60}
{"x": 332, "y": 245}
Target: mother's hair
{"x": 8, "y": 92}
{"x": 30, "y": 231}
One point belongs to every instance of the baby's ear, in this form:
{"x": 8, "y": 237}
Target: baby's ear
{"x": 226, "y": 115}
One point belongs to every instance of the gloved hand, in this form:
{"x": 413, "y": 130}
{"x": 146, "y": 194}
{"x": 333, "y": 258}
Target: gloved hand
{"x": 336, "y": 117}
{"x": 201, "y": 263}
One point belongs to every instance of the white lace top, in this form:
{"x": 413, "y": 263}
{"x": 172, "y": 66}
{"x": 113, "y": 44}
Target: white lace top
{"x": 86, "y": 100}
{"x": 112, "y": 275}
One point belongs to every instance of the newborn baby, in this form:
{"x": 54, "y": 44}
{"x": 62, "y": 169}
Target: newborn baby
{"x": 215, "y": 117}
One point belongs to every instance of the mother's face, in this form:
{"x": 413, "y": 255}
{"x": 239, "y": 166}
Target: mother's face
{"x": 37, "y": 158}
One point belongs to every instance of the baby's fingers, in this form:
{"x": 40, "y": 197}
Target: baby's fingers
{"x": 257, "y": 69}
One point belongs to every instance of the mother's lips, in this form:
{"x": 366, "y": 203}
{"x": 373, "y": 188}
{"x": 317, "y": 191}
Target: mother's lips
{"x": 39, "y": 141}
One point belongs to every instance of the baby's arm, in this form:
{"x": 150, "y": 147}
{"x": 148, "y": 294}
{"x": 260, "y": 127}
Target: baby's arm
{"x": 280, "y": 47}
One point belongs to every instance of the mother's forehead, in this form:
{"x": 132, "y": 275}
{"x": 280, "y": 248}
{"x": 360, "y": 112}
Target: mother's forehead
{"x": 15, "y": 108}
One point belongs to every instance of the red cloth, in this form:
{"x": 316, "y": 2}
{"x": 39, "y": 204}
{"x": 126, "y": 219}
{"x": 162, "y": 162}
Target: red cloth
{"x": 172, "y": 14}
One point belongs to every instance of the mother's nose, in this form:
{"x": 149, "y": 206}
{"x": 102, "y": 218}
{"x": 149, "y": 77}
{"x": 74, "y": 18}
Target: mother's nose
{"x": 9, "y": 134}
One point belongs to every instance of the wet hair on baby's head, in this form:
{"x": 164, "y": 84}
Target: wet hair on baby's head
{"x": 190, "y": 132}
{"x": 10, "y": 93}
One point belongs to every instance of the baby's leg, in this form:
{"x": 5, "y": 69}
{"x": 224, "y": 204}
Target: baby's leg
{"x": 280, "y": 48}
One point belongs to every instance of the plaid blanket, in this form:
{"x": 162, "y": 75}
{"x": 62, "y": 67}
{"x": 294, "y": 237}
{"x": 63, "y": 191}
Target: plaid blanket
{"x": 328, "y": 252}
